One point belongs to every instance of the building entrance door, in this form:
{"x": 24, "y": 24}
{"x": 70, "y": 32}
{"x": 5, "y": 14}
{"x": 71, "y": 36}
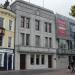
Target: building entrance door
{"x": 22, "y": 61}
{"x": 10, "y": 62}
{"x": 49, "y": 61}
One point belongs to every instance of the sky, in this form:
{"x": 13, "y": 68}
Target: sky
{"x": 58, "y": 6}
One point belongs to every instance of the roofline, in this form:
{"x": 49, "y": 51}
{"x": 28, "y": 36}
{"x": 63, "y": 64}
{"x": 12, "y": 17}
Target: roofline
{"x": 33, "y": 5}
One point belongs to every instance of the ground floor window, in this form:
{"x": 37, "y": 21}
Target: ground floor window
{"x": 37, "y": 59}
{"x": 42, "y": 59}
{"x": 32, "y": 59}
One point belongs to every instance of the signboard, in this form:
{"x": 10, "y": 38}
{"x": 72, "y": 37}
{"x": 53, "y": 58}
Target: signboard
{"x": 61, "y": 28}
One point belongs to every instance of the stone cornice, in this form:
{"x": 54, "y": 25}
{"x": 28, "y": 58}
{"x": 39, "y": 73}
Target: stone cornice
{"x": 7, "y": 12}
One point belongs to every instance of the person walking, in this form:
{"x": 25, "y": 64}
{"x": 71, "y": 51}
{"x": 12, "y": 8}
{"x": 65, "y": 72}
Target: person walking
{"x": 72, "y": 64}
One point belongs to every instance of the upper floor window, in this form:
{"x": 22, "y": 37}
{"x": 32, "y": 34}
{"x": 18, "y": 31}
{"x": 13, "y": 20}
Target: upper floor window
{"x": 27, "y": 22}
{"x": 46, "y": 41}
{"x": 9, "y": 41}
{"x": 1, "y": 22}
{"x": 37, "y": 41}
{"x": 10, "y": 25}
{"x": 1, "y": 38}
{"x": 47, "y": 27}
{"x": 37, "y": 24}
{"x": 27, "y": 39}
{"x": 22, "y": 38}
{"x": 50, "y": 42}
{"x": 22, "y": 21}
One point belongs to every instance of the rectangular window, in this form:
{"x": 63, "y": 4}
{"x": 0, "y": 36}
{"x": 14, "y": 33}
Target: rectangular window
{"x": 27, "y": 22}
{"x": 50, "y": 42}
{"x": 42, "y": 59}
{"x": 37, "y": 59}
{"x": 1, "y": 38}
{"x": 22, "y": 21}
{"x": 9, "y": 41}
{"x": 27, "y": 39}
{"x": 0, "y": 59}
{"x": 32, "y": 59}
{"x": 49, "y": 28}
{"x": 1, "y": 22}
{"x": 46, "y": 41}
{"x": 22, "y": 38}
{"x": 10, "y": 24}
{"x": 45, "y": 26}
{"x": 37, "y": 24}
{"x": 37, "y": 41}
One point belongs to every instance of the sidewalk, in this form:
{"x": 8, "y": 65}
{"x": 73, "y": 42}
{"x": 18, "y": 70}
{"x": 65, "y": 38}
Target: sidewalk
{"x": 58, "y": 72}
{"x": 38, "y": 72}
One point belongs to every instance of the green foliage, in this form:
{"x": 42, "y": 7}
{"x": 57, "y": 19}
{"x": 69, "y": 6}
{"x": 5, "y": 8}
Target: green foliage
{"x": 72, "y": 13}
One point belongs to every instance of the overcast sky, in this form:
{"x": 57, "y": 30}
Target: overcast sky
{"x": 58, "y": 6}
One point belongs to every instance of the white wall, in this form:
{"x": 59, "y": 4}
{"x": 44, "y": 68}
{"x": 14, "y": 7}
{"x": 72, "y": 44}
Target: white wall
{"x": 17, "y": 61}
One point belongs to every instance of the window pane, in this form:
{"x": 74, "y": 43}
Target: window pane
{"x": 37, "y": 24}
{"x": 9, "y": 41}
{"x": 10, "y": 24}
{"x": 42, "y": 59}
{"x": 37, "y": 41}
{"x": 1, "y": 40}
{"x": 46, "y": 41}
{"x": 49, "y": 27}
{"x": 22, "y": 21}
{"x": 27, "y": 39}
{"x": 27, "y": 22}
{"x": 45, "y": 26}
{"x": 37, "y": 59}
{"x": 32, "y": 59}
{"x": 22, "y": 38}
{"x": 50, "y": 42}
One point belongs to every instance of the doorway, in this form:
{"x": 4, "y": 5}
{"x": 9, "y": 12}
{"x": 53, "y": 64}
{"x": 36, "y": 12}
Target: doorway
{"x": 49, "y": 61}
{"x": 10, "y": 62}
{"x": 22, "y": 61}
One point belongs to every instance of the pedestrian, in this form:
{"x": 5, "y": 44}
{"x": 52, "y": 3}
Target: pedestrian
{"x": 69, "y": 67}
{"x": 72, "y": 64}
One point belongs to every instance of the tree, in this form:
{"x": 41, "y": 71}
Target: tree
{"x": 72, "y": 13}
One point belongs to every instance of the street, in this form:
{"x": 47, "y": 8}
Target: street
{"x": 38, "y": 72}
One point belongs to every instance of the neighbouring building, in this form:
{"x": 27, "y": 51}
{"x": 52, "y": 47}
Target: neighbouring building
{"x": 65, "y": 40}
{"x": 35, "y": 43}
{"x": 7, "y": 24}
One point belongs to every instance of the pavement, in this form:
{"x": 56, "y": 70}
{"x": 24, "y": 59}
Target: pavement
{"x": 38, "y": 72}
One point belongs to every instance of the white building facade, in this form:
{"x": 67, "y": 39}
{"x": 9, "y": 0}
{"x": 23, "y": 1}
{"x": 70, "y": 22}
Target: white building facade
{"x": 35, "y": 46}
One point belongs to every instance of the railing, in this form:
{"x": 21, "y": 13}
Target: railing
{"x": 65, "y": 51}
